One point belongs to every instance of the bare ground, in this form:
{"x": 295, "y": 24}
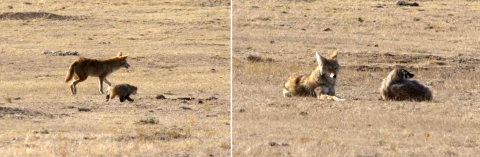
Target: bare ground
{"x": 437, "y": 41}
{"x": 175, "y": 48}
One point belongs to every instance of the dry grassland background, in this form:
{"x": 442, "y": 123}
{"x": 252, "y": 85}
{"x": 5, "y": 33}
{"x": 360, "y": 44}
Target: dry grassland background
{"x": 437, "y": 41}
{"x": 176, "y": 48}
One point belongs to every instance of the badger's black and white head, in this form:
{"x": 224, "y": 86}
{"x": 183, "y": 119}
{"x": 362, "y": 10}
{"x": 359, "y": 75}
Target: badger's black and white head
{"x": 406, "y": 74}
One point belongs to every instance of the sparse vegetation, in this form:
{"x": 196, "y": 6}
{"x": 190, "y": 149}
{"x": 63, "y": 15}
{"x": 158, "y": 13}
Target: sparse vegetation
{"x": 8, "y": 99}
{"x": 385, "y": 37}
{"x": 254, "y": 58}
{"x": 169, "y": 44}
{"x": 151, "y": 120}
{"x": 84, "y": 109}
{"x": 36, "y": 15}
{"x": 172, "y": 134}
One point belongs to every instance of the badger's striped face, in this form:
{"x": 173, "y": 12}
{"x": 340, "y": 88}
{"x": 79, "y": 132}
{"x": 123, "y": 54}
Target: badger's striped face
{"x": 406, "y": 74}
{"x": 134, "y": 90}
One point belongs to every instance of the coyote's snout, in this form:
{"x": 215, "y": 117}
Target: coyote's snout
{"x": 126, "y": 65}
{"x": 81, "y": 68}
{"x": 320, "y": 83}
{"x": 397, "y": 86}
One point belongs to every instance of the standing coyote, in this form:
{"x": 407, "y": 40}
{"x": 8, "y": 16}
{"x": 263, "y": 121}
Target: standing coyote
{"x": 81, "y": 68}
{"x": 123, "y": 91}
{"x": 397, "y": 86}
{"x": 320, "y": 83}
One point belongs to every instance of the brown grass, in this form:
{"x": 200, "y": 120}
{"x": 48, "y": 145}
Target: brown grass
{"x": 440, "y": 49}
{"x": 172, "y": 47}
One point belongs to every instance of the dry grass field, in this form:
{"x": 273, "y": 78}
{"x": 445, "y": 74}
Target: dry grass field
{"x": 176, "y": 48}
{"x": 437, "y": 41}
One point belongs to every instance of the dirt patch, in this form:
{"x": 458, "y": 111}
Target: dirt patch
{"x": 390, "y": 68}
{"x": 37, "y": 15}
{"x": 393, "y": 58}
{"x": 387, "y": 61}
{"x": 160, "y": 136}
{"x": 60, "y": 53}
{"x": 254, "y": 58}
{"x": 18, "y": 113}
{"x": 213, "y": 3}
{"x": 403, "y": 3}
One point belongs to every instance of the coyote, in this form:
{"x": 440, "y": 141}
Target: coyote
{"x": 320, "y": 83}
{"x": 81, "y": 68}
{"x": 397, "y": 86}
{"x": 123, "y": 91}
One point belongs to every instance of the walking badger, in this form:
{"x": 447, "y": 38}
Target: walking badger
{"x": 123, "y": 91}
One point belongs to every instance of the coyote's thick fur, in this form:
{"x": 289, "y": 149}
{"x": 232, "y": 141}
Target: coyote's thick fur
{"x": 320, "y": 83}
{"x": 123, "y": 91}
{"x": 81, "y": 68}
{"x": 397, "y": 86}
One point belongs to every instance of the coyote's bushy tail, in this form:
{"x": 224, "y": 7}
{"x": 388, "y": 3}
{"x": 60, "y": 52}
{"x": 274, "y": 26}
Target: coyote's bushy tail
{"x": 70, "y": 72}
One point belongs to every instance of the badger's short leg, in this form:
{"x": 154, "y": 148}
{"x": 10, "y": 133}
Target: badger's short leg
{"x": 128, "y": 98}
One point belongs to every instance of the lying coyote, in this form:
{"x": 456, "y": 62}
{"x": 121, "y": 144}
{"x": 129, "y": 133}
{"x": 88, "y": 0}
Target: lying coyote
{"x": 81, "y": 68}
{"x": 397, "y": 86}
{"x": 320, "y": 83}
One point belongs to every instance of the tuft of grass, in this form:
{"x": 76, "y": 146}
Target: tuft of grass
{"x": 151, "y": 120}
{"x": 173, "y": 134}
{"x": 225, "y": 145}
{"x": 9, "y": 100}
{"x": 206, "y": 107}
{"x": 168, "y": 93}
{"x": 360, "y": 19}
{"x": 255, "y": 58}
{"x": 238, "y": 64}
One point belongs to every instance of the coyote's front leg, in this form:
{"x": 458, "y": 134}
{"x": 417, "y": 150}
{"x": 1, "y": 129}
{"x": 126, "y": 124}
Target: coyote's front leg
{"x": 108, "y": 83}
{"x": 329, "y": 97}
{"x": 324, "y": 93}
{"x": 100, "y": 84}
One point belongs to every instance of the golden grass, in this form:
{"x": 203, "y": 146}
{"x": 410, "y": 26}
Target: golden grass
{"x": 172, "y": 47}
{"x": 70, "y": 145}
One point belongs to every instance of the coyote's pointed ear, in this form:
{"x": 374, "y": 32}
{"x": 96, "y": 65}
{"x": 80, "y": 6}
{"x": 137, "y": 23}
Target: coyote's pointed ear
{"x": 319, "y": 59}
{"x": 119, "y": 54}
{"x": 334, "y": 55}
